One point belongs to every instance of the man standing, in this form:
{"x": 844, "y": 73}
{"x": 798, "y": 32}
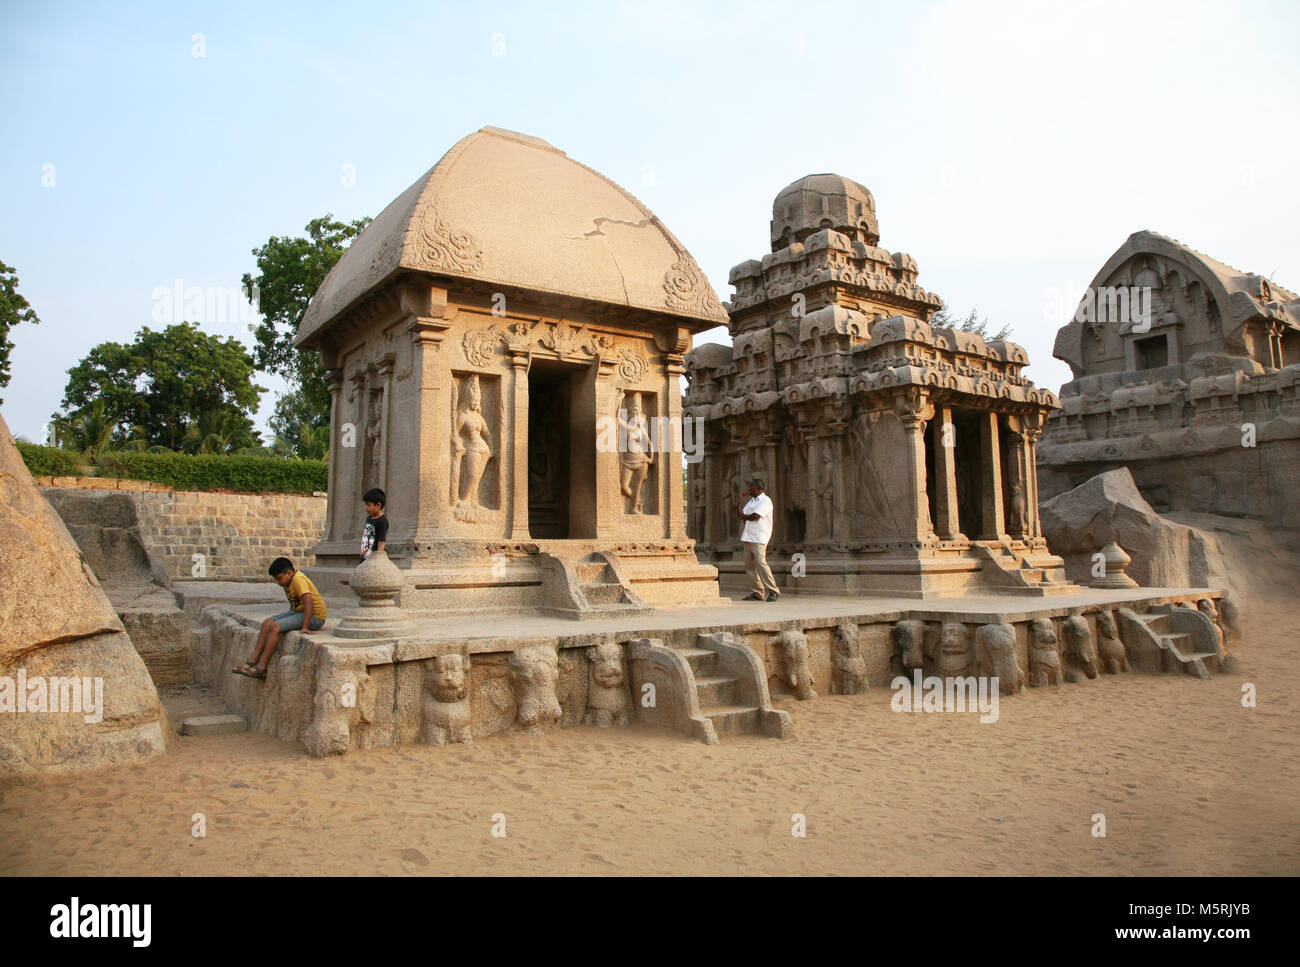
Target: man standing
{"x": 757, "y": 515}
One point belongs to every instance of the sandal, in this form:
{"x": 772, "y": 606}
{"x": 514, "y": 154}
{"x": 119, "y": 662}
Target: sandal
{"x": 243, "y": 669}
{"x": 255, "y": 673}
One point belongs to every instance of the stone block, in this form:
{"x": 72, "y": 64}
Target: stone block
{"x": 213, "y": 725}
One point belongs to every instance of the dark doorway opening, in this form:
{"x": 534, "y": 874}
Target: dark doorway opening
{"x": 550, "y": 402}
{"x": 967, "y": 455}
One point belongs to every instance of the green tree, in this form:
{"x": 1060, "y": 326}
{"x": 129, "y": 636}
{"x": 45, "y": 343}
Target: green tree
{"x": 943, "y": 319}
{"x": 289, "y": 271}
{"x": 13, "y": 310}
{"x": 164, "y": 381}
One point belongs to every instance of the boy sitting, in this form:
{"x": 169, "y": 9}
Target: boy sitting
{"x": 308, "y": 615}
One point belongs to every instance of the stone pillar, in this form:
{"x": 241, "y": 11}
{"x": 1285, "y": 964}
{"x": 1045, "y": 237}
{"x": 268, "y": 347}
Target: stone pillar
{"x": 332, "y": 507}
{"x": 517, "y": 427}
{"x": 670, "y": 457}
{"x": 1033, "y": 429}
{"x": 714, "y": 492}
{"x": 948, "y": 524}
{"x": 914, "y": 409}
{"x": 992, "y": 524}
{"x": 838, "y": 422}
{"x": 772, "y": 476}
{"x": 433, "y": 477}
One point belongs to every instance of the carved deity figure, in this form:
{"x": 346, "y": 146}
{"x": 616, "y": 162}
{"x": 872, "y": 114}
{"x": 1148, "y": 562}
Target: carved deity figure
{"x": 445, "y": 706}
{"x": 1044, "y": 657}
{"x": 607, "y": 696}
{"x": 825, "y": 490}
{"x": 534, "y": 670}
{"x": 636, "y": 450}
{"x": 792, "y": 657}
{"x": 1114, "y": 658}
{"x": 471, "y": 450}
{"x": 1207, "y": 607}
{"x": 848, "y": 667}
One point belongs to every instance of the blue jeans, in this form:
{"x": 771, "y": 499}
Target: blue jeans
{"x": 292, "y": 621}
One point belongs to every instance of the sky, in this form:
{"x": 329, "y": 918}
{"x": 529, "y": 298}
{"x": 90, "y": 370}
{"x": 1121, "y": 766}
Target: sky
{"x": 1011, "y": 147}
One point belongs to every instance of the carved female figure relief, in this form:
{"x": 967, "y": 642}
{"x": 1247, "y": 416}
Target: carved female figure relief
{"x": 636, "y": 452}
{"x": 471, "y": 450}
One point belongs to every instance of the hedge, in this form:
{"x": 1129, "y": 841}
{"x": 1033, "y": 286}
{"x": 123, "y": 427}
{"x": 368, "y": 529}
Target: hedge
{"x": 49, "y": 461}
{"x": 210, "y": 472}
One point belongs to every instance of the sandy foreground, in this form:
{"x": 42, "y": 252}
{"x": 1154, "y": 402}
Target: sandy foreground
{"x": 1190, "y": 782}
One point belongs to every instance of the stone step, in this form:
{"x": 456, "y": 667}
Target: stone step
{"x": 1034, "y": 575}
{"x": 702, "y": 661}
{"x": 732, "y": 718}
{"x": 715, "y": 691}
{"x": 590, "y": 573}
{"x": 603, "y": 593}
{"x": 1155, "y": 620}
{"x": 213, "y": 725}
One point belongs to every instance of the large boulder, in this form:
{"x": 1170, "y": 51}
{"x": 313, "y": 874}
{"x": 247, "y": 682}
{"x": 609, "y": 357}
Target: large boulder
{"x": 56, "y": 622}
{"x": 1109, "y": 507}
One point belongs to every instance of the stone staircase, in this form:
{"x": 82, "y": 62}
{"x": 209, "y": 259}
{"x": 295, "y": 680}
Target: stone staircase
{"x": 716, "y": 694}
{"x": 591, "y": 587}
{"x": 1016, "y": 573}
{"x": 717, "y": 685}
{"x": 1167, "y": 639}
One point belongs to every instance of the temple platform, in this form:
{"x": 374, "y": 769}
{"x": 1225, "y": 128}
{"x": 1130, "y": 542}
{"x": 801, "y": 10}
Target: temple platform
{"x": 709, "y": 670}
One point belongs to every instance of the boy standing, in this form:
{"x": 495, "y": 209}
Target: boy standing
{"x": 376, "y": 529}
{"x": 307, "y": 614}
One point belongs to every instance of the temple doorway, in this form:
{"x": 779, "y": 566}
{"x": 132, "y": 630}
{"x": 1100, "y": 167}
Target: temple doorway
{"x": 561, "y": 451}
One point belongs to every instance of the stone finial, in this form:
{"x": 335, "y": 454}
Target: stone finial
{"x": 1117, "y": 562}
{"x": 376, "y": 582}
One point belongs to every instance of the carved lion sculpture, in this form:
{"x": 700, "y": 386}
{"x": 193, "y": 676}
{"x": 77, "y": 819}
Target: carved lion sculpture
{"x": 792, "y": 652}
{"x": 1114, "y": 657}
{"x": 533, "y": 673}
{"x": 1044, "y": 658}
{"x": 995, "y": 655}
{"x": 607, "y": 697}
{"x": 445, "y": 705}
{"x": 1080, "y": 655}
{"x": 848, "y": 667}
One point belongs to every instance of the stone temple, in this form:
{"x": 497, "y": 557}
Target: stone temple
{"x": 1185, "y": 371}
{"x": 900, "y": 457}
{"x": 504, "y": 345}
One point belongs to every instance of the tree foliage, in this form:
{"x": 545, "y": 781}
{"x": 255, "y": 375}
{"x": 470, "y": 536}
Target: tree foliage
{"x": 974, "y": 323}
{"x": 289, "y": 271}
{"x": 156, "y": 387}
{"x": 13, "y": 310}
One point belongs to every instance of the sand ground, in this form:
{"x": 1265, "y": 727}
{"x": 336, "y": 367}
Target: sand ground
{"x": 1189, "y": 781}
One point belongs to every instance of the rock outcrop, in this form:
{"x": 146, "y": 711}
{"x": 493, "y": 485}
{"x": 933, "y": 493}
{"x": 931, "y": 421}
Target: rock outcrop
{"x": 74, "y": 693}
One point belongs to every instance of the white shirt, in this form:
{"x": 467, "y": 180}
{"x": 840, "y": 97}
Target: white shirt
{"x": 758, "y": 531}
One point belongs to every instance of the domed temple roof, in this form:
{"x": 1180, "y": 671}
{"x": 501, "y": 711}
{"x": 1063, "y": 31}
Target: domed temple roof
{"x": 815, "y": 202}
{"x": 507, "y": 209}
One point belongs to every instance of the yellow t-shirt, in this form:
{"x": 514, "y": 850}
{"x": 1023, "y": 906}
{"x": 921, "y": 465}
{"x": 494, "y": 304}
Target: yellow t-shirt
{"x": 300, "y": 585}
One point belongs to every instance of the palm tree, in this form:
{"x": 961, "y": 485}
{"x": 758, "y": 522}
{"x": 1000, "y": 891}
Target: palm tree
{"x": 88, "y": 431}
{"x": 218, "y": 431}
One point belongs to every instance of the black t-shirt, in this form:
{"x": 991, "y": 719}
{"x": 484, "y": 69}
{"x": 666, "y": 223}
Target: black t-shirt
{"x": 376, "y": 530}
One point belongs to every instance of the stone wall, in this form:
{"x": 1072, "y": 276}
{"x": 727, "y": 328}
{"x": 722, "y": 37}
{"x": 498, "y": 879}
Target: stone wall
{"x": 237, "y": 534}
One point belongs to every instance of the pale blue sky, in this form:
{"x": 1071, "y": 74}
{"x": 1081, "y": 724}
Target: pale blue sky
{"x": 1011, "y": 147}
